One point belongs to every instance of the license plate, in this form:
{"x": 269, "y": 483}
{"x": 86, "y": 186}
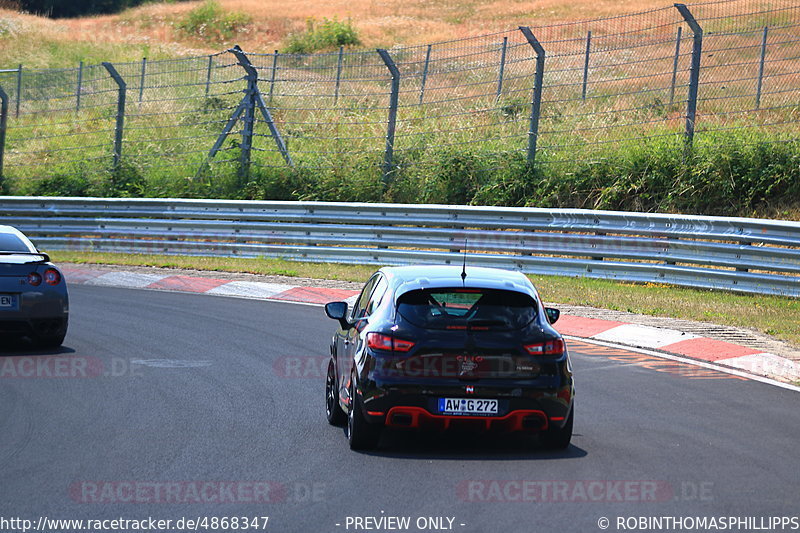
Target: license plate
{"x": 467, "y": 406}
{"x": 8, "y": 301}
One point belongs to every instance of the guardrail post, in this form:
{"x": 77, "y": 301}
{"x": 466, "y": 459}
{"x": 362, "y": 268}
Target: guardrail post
{"x": 141, "y": 82}
{"x": 503, "y": 50}
{"x": 536, "y": 102}
{"x": 586, "y": 65}
{"x": 694, "y": 73}
{"x": 19, "y": 89}
{"x": 675, "y": 65}
{"x": 388, "y": 156}
{"x": 120, "y": 126}
{"x": 79, "y": 88}
{"x": 3, "y": 124}
{"x": 741, "y": 269}
{"x": 338, "y": 75}
{"x": 425, "y": 74}
{"x": 761, "y": 67}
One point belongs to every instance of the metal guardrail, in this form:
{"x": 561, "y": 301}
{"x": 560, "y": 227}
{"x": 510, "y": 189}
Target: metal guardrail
{"x": 737, "y": 254}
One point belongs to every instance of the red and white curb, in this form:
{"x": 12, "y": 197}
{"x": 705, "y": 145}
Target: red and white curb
{"x": 203, "y": 285}
{"x": 686, "y": 345}
{"x": 722, "y": 355}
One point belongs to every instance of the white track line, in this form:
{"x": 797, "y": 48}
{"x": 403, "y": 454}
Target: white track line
{"x": 694, "y": 362}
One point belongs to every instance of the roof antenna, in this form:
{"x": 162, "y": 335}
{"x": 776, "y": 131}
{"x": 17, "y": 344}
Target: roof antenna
{"x": 464, "y": 267}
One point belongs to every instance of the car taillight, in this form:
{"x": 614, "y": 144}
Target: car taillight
{"x": 52, "y": 276}
{"x": 379, "y": 341}
{"x": 34, "y": 279}
{"x": 553, "y": 347}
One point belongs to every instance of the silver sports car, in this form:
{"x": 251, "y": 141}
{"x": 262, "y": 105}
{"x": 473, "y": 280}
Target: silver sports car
{"x": 33, "y": 293}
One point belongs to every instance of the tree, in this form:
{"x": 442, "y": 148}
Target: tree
{"x": 75, "y": 8}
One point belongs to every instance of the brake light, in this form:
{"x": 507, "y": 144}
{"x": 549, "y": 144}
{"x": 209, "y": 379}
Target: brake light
{"x": 553, "y": 347}
{"x": 379, "y": 341}
{"x": 34, "y": 279}
{"x": 52, "y": 276}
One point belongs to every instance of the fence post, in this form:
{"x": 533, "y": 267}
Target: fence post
{"x": 251, "y": 75}
{"x": 3, "y": 124}
{"x": 338, "y": 75}
{"x": 675, "y": 65}
{"x": 388, "y": 156}
{"x": 425, "y": 74}
{"x": 251, "y": 100}
{"x": 208, "y": 74}
{"x": 272, "y": 76}
{"x": 586, "y": 64}
{"x": 19, "y": 88}
{"x": 694, "y": 73}
{"x": 79, "y": 88}
{"x": 120, "y": 126}
{"x": 536, "y": 102}
{"x": 761, "y": 67}
{"x": 141, "y": 83}
{"x": 501, "y": 74}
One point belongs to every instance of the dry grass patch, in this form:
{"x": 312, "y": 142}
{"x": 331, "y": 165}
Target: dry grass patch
{"x": 379, "y": 22}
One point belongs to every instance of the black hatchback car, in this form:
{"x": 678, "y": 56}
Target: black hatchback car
{"x": 444, "y": 347}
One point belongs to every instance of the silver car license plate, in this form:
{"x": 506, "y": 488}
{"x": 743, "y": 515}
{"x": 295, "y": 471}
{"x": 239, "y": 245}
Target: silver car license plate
{"x": 8, "y": 302}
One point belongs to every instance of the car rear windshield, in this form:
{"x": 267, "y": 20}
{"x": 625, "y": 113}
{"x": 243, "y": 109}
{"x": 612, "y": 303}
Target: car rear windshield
{"x": 12, "y": 243}
{"x": 474, "y": 309}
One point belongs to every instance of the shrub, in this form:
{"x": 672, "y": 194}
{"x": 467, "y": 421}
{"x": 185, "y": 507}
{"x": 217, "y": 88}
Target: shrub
{"x": 125, "y": 181}
{"x": 211, "y": 22}
{"x": 326, "y": 35}
{"x": 61, "y": 185}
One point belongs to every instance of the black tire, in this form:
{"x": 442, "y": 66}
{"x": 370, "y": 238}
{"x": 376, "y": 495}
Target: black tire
{"x": 360, "y": 434}
{"x": 333, "y": 411}
{"x": 556, "y": 438}
{"x": 50, "y": 339}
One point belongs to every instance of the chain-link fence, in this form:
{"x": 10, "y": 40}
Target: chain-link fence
{"x": 556, "y": 96}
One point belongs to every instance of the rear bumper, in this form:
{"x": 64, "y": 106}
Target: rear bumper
{"x": 519, "y": 408}
{"x": 39, "y": 326}
{"x": 417, "y": 417}
{"x": 32, "y": 304}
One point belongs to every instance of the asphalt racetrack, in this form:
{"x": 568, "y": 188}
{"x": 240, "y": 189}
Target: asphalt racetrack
{"x": 173, "y": 406}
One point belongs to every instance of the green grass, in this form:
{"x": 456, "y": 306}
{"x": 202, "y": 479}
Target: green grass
{"x": 741, "y": 173}
{"x": 772, "y": 315}
{"x": 319, "y": 36}
{"x": 210, "y": 22}
{"x": 262, "y": 266}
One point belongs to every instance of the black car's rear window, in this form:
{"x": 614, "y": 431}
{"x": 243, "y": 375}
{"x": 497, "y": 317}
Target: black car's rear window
{"x": 467, "y": 308}
{"x": 12, "y": 243}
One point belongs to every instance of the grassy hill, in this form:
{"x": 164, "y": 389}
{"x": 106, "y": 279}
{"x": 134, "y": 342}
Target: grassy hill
{"x": 154, "y": 30}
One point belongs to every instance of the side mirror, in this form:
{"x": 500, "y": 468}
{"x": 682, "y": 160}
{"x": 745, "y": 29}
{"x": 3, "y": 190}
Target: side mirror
{"x": 552, "y": 314}
{"x": 338, "y": 311}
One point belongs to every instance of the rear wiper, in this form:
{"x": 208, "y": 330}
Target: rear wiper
{"x": 45, "y": 257}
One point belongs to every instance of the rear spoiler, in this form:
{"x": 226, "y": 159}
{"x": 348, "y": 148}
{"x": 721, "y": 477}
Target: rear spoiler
{"x": 44, "y": 257}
